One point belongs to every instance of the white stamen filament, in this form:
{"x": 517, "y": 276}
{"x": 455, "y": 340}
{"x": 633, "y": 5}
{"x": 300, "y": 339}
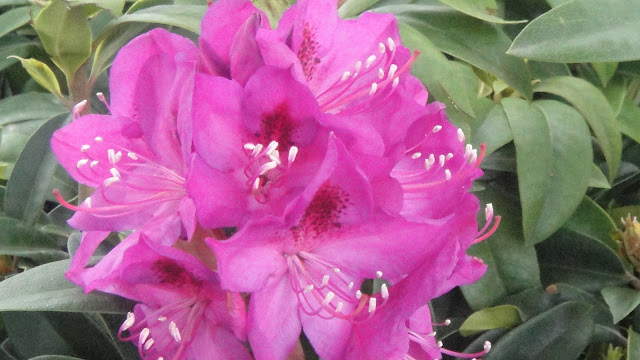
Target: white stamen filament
{"x": 81, "y": 163}
{"x": 369, "y": 61}
{"x": 374, "y": 88}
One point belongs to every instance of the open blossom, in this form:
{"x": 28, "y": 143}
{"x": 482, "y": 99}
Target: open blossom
{"x": 182, "y": 312}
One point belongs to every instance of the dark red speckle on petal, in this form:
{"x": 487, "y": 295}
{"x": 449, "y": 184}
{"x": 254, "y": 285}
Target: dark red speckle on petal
{"x": 307, "y": 53}
{"x": 323, "y": 212}
{"x": 277, "y": 125}
{"x": 171, "y": 273}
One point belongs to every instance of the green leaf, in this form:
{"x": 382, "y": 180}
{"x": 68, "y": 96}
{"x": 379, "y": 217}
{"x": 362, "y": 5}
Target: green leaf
{"x": 29, "y": 106}
{"x": 42, "y": 74}
{"x": 480, "y": 9}
{"x": 571, "y": 167}
{"x": 16, "y": 46}
{"x": 592, "y": 221}
{"x": 115, "y": 6}
{"x": 23, "y": 330}
{"x": 531, "y": 135}
{"x": 17, "y": 238}
{"x": 582, "y": 31}
{"x": 44, "y": 288}
{"x": 352, "y": 8}
{"x": 621, "y": 301}
{"x": 183, "y": 16}
{"x": 512, "y": 266}
{"x": 274, "y": 9}
{"x": 111, "y": 44}
{"x": 633, "y": 346}
{"x": 598, "y": 179}
{"x": 478, "y": 43}
{"x": 494, "y": 130}
{"x": 579, "y": 260}
{"x": 65, "y": 35}
{"x": 28, "y": 185}
{"x": 594, "y": 107}
{"x": 54, "y": 357}
{"x": 560, "y": 333}
{"x": 605, "y": 71}
{"x": 13, "y": 19}
{"x": 503, "y": 316}
{"x": 628, "y": 119}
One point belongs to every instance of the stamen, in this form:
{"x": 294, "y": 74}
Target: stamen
{"x": 148, "y": 344}
{"x": 175, "y": 332}
{"x": 266, "y": 167}
{"x": 273, "y": 145}
{"x": 345, "y": 75}
{"x": 350, "y": 286}
{"x": 488, "y": 211}
{"x": 395, "y": 82}
{"x": 336, "y": 270}
{"x": 115, "y": 173}
{"x": 93, "y": 164}
{"x": 447, "y": 174}
{"x": 374, "y": 88}
{"x": 325, "y": 280}
{"x": 379, "y": 274}
{"x": 132, "y": 155}
{"x": 391, "y": 43}
{"x": 111, "y": 155}
{"x": 441, "y": 160}
{"x": 162, "y": 318}
{"x": 384, "y": 291}
{"x": 327, "y": 299}
{"x": 380, "y": 73}
{"x": 144, "y": 334}
{"x": 358, "y": 294}
{"x": 449, "y": 156}
{"x": 382, "y": 48}
{"x": 87, "y": 202}
{"x": 128, "y": 323}
{"x": 340, "y": 306}
{"x": 256, "y": 184}
{"x": 460, "y": 135}
{"x": 249, "y": 146}
{"x": 98, "y": 139}
{"x": 77, "y": 108}
{"x": 308, "y": 288}
{"x": 81, "y": 163}
{"x": 84, "y": 148}
{"x": 257, "y": 150}
{"x": 372, "y": 305}
{"x": 392, "y": 70}
{"x": 437, "y": 128}
{"x": 370, "y": 61}
{"x": 416, "y": 155}
{"x": 427, "y": 164}
{"x": 493, "y": 229}
{"x": 358, "y": 66}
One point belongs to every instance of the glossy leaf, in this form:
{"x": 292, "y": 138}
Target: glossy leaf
{"x": 605, "y": 71}
{"x": 115, "y": 6}
{"x": 482, "y": 9}
{"x": 571, "y": 167}
{"x": 494, "y": 130}
{"x": 42, "y": 74}
{"x": 531, "y": 135}
{"x": 29, "y": 106}
{"x": 621, "y": 301}
{"x": 274, "y": 9}
{"x": 560, "y": 333}
{"x": 13, "y": 19}
{"x": 183, "y": 16}
{"x": 594, "y": 107}
{"x": 65, "y": 35}
{"x": 16, "y": 46}
{"x": 28, "y": 185}
{"x": 633, "y": 346}
{"x": 44, "y": 288}
{"x": 598, "y": 178}
{"x": 502, "y": 316}
{"x": 628, "y": 119}
{"x": 573, "y": 32}
{"x": 592, "y": 221}
{"x": 352, "y": 8}
{"x": 512, "y": 265}
{"x": 576, "y": 259}
{"x": 478, "y": 43}
{"x": 19, "y": 239}
{"x": 22, "y": 326}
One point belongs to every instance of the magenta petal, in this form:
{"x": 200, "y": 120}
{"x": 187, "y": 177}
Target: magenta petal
{"x": 274, "y": 326}
{"x": 328, "y": 337}
{"x": 217, "y": 343}
{"x": 88, "y": 245}
{"x": 245, "y": 55}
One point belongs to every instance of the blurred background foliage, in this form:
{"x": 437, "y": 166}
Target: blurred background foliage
{"x": 552, "y": 87}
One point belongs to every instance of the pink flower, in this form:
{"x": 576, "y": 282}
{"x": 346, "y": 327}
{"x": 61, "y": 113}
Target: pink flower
{"x": 305, "y": 269}
{"x": 182, "y": 312}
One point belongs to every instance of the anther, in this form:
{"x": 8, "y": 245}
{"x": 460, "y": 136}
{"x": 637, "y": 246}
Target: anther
{"x": 93, "y": 164}
{"x": 98, "y": 139}
{"x": 416, "y": 155}
{"x": 128, "y": 323}
{"x": 384, "y": 291}
{"x": 327, "y": 299}
{"x": 77, "y": 108}
{"x": 84, "y": 148}
{"x": 449, "y": 156}
{"x": 488, "y": 212}
{"x": 437, "y": 128}
{"x": 118, "y": 156}
{"x": 441, "y": 159}
{"x": 382, "y": 48}
{"x": 148, "y": 344}
{"x": 392, "y": 70}
{"x": 273, "y": 145}
{"x": 345, "y": 75}
{"x": 395, "y": 82}
{"x": 325, "y": 280}
{"x": 340, "y": 306}
{"x": 308, "y": 288}
{"x": 432, "y": 159}
{"x": 427, "y": 164}
{"x": 358, "y": 66}
{"x": 162, "y": 318}
{"x": 144, "y": 334}
{"x": 132, "y": 155}
{"x": 87, "y": 202}
{"x": 275, "y": 157}
{"x": 266, "y": 167}
{"x": 391, "y": 43}
{"x": 81, "y": 163}
{"x": 336, "y": 270}
{"x": 111, "y": 155}
{"x": 101, "y": 97}
{"x": 372, "y": 305}
{"x": 358, "y": 294}
{"x": 447, "y": 174}
{"x": 293, "y": 152}
{"x": 175, "y": 332}
{"x": 115, "y": 173}
{"x": 374, "y": 88}
{"x": 369, "y": 61}
{"x": 379, "y": 274}
{"x": 460, "y": 135}
{"x": 249, "y": 146}
{"x": 380, "y": 73}
{"x": 256, "y": 184}
{"x": 350, "y": 286}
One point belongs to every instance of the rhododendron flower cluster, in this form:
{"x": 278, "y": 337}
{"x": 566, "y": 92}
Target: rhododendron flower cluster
{"x": 263, "y": 177}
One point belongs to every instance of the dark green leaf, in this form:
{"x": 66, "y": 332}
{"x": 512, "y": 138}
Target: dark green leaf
{"x": 543, "y": 70}
{"x": 32, "y": 334}
{"x": 65, "y": 35}
{"x": 16, "y": 46}
{"x": 629, "y": 119}
{"x": 621, "y": 301}
{"x": 183, "y": 16}
{"x": 582, "y": 31}
{"x": 592, "y": 221}
{"x": 633, "y": 347}
{"x": 478, "y": 43}
{"x": 54, "y": 357}
{"x": 605, "y": 71}
{"x": 44, "y": 288}
{"x": 558, "y": 334}
{"x": 502, "y": 316}
{"x": 575, "y": 259}
{"x": 28, "y": 185}
{"x": 531, "y": 135}
{"x": 512, "y": 266}
{"x": 571, "y": 167}
{"x": 13, "y": 19}
{"x": 594, "y": 107}
{"x": 29, "y": 106}
{"x": 19, "y": 239}
{"x": 482, "y": 9}
{"x": 494, "y": 130}
{"x": 598, "y": 179}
